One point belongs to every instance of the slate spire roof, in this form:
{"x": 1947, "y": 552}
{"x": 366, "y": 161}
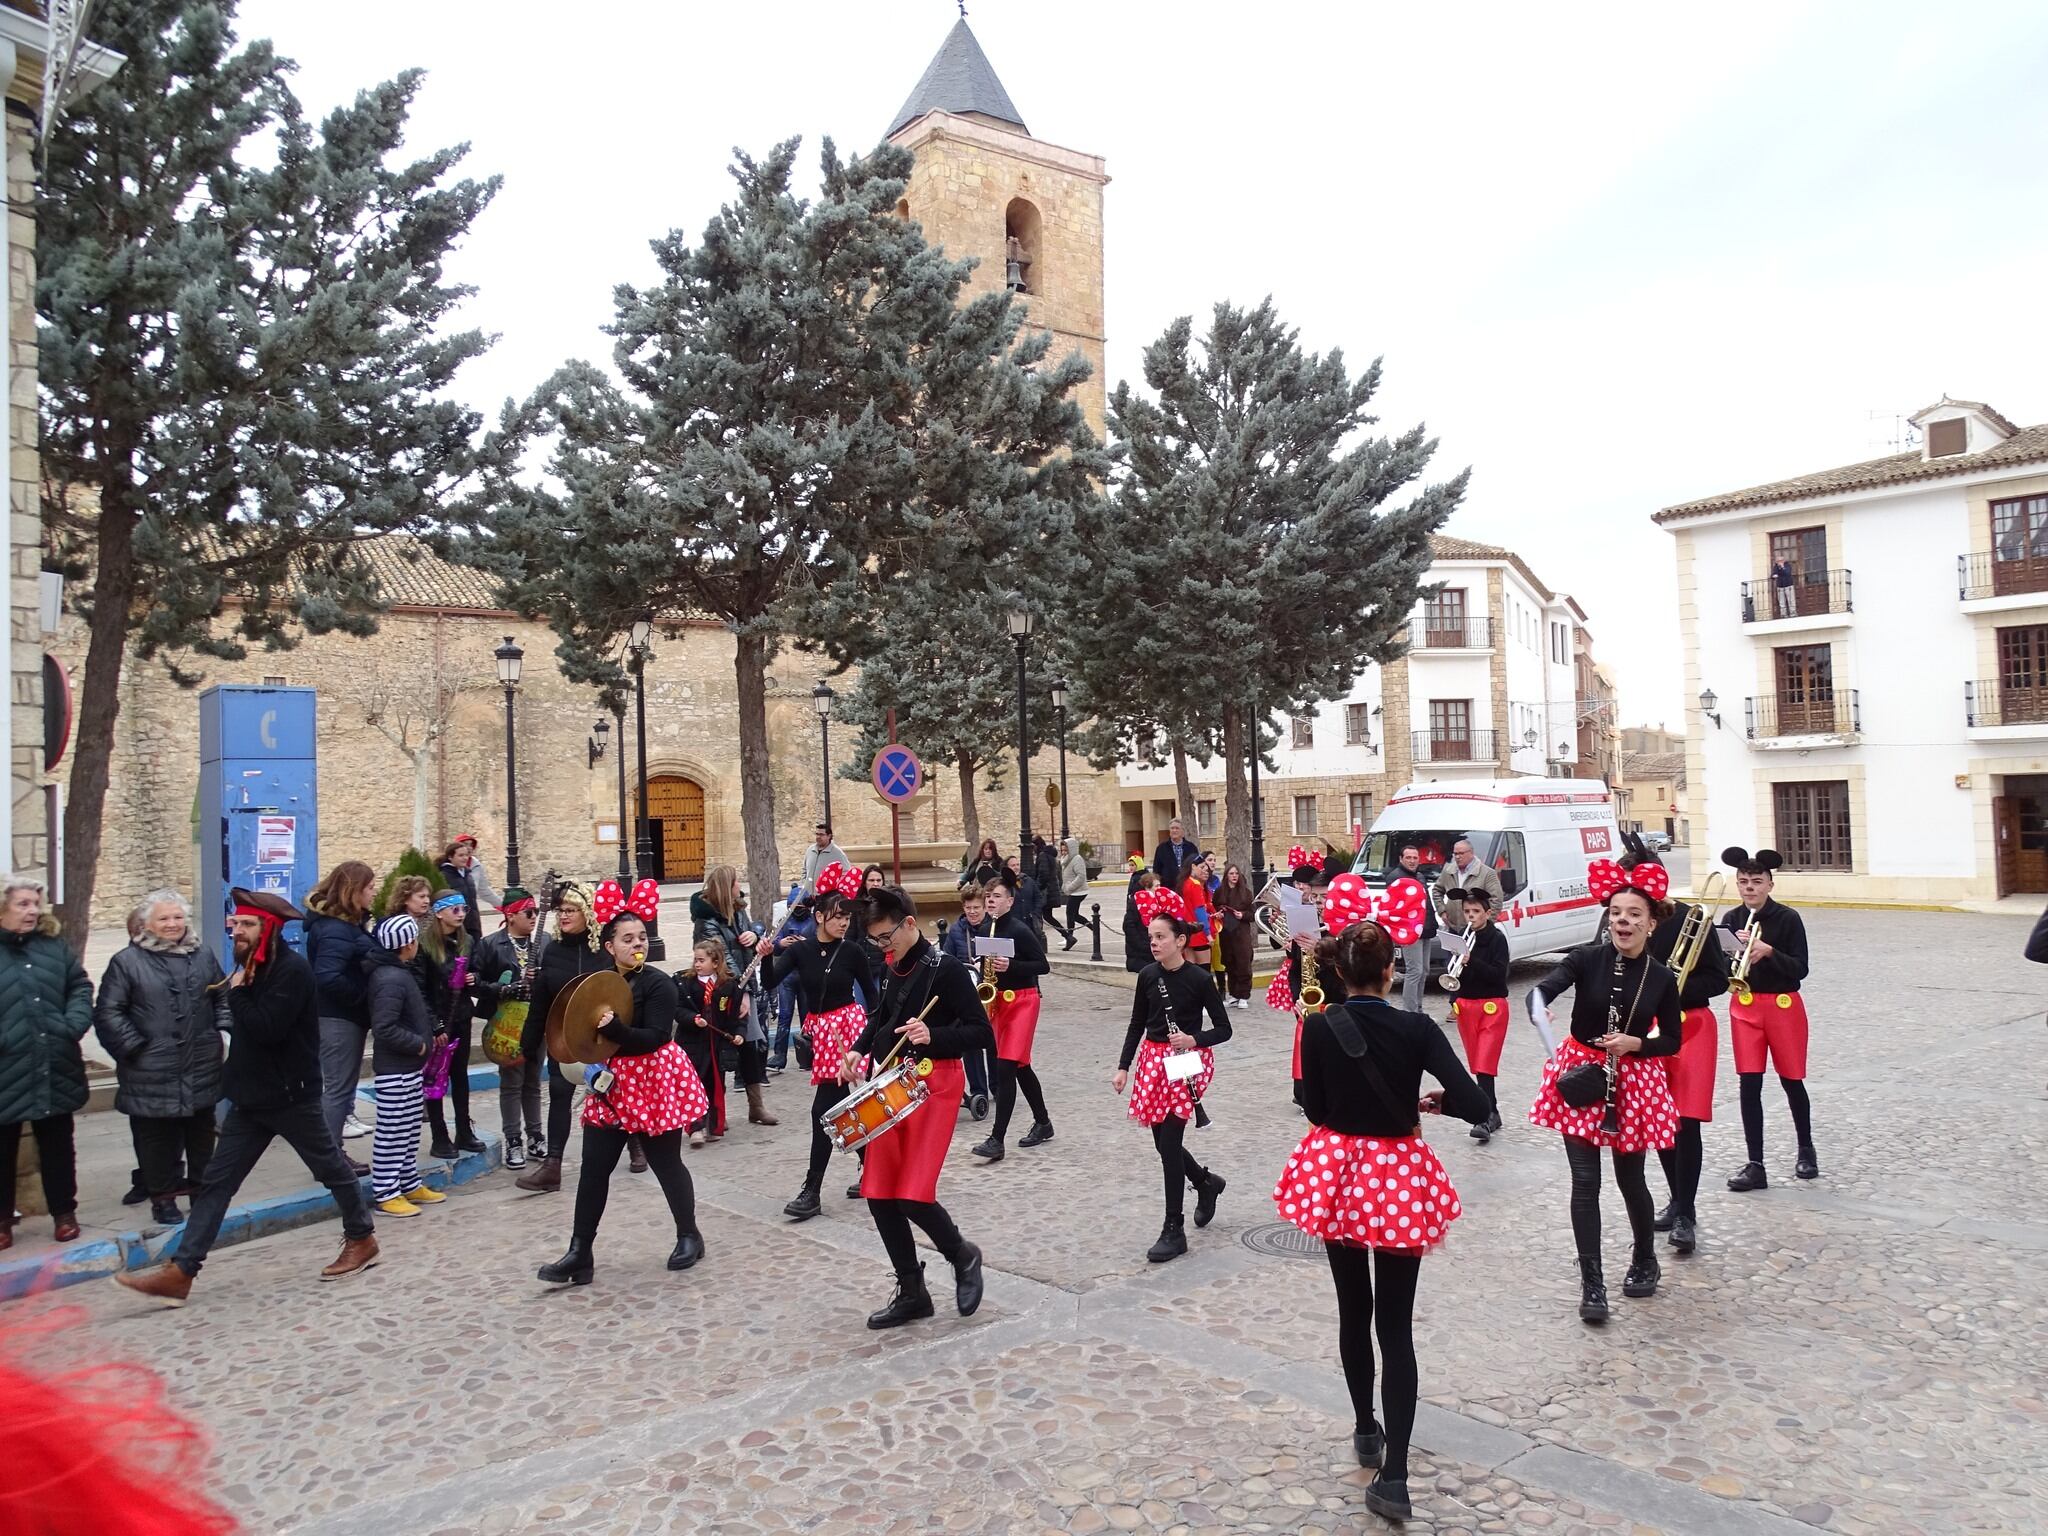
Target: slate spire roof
{"x": 959, "y": 79}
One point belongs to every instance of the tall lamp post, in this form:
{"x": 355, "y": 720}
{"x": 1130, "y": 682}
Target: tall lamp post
{"x": 1021, "y": 625}
{"x": 1258, "y": 809}
{"x": 625, "y": 839}
{"x": 643, "y": 839}
{"x": 821, "y": 701}
{"x": 1059, "y": 710}
{"x": 509, "y": 657}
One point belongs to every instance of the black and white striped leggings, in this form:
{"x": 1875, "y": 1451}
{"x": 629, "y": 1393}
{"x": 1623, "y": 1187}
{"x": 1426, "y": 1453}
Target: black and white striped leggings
{"x": 395, "y": 1154}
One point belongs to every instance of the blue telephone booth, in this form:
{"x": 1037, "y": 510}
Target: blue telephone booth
{"x": 258, "y": 801}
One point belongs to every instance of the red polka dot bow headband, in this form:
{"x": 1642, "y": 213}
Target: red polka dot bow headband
{"x": 1157, "y": 901}
{"x": 843, "y": 878}
{"x": 1399, "y": 909}
{"x": 1299, "y": 857}
{"x": 644, "y": 903}
{"x": 1604, "y": 877}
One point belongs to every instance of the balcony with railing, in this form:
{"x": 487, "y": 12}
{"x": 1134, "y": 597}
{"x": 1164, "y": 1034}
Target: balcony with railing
{"x": 1775, "y": 716}
{"x": 2001, "y": 701}
{"x": 1815, "y": 594}
{"x": 1441, "y": 747}
{"x": 1988, "y": 573}
{"x": 1450, "y": 633}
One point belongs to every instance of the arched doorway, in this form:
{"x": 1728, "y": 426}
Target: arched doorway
{"x": 676, "y": 807}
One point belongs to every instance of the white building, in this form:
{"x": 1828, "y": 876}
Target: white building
{"x": 1488, "y": 690}
{"x": 1867, "y": 666}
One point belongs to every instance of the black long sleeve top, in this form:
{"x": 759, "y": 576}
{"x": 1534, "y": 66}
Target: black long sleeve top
{"x": 1709, "y": 978}
{"x": 1486, "y": 968}
{"x": 1029, "y": 963}
{"x": 560, "y": 963}
{"x": 654, "y": 1014}
{"x": 826, "y": 973}
{"x": 1589, "y": 973}
{"x": 274, "y": 1049}
{"x": 1786, "y": 934}
{"x": 1190, "y": 999}
{"x": 1339, "y": 1095}
{"x": 958, "y": 1024}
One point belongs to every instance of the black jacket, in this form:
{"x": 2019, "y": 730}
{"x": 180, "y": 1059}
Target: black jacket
{"x": 337, "y": 950}
{"x": 491, "y": 959}
{"x": 1172, "y": 868}
{"x": 1338, "y": 1093}
{"x": 1646, "y": 998}
{"x": 1189, "y": 999}
{"x": 1786, "y": 934}
{"x": 1486, "y": 968}
{"x": 1029, "y": 963}
{"x": 560, "y": 963}
{"x": 1137, "y": 944}
{"x": 958, "y": 1024}
{"x": 654, "y": 1014}
{"x": 1709, "y": 979}
{"x": 274, "y": 1050}
{"x": 461, "y": 880}
{"x": 160, "y": 1015}
{"x": 401, "y": 1029}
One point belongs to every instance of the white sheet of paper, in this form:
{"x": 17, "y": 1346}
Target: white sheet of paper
{"x": 990, "y": 949}
{"x": 1182, "y": 1065}
{"x": 1303, "y": 922}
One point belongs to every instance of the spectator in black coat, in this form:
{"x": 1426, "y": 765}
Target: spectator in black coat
{"x": 1170, "y": 863}
{"x": 1137, "y": 941}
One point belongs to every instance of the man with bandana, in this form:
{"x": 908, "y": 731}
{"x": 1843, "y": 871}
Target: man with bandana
{"x": 272, "y": 1082}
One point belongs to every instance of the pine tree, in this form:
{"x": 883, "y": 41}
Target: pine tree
{"x": 241, "y": 322}
{"x": 410, "y": 862}
{"x": 1251, "y": 563}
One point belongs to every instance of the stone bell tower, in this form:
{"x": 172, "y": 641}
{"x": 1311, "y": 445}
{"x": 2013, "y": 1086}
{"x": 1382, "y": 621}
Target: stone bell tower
{"x": 1030, "y": 212}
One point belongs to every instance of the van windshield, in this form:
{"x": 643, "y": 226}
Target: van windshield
{"x": 1380, "y": 859}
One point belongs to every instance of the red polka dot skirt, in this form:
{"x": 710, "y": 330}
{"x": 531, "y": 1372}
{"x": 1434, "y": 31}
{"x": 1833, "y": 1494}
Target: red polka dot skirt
{"x": 1649, "y": 1117}
{"x": 654, "y": 1094}
{"x": 1368, "y": 1191}
{"x": 832, "y": 1036}
{"x": 1154, "y": 1096}
{"x": 1279, "y": 995}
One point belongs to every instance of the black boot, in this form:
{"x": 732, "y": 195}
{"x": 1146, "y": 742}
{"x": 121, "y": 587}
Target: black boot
{"x": 688, "y": 1250}
{"x": 992, "y": 1150}
{"x": 137, "y": 1191}
{"x": 853, "y": 1190}
{"x": 165, "y": 1213}
{"x": 1369, "y": 1445}
{"x": 1173, "y": 1242}
{"x": 805, "y": 1205}
{"x": 1665, "y": 1218}
{"x": 1389, "y": 1497}
{"x": 467, "y": 1140}
{"x": 967, "y": 1279}
{"x": 1207, "y": 1188}
{"x": 1808, "y": 1166}
{"x": 1684, "y": 1235}
{"x": 1749, "y": 1176}
{"x": 441, "y": 1146}
{"x": 1041, "y": 1131}
{"x": 1593, "y": 1293}
{"x": 572, "y": 1268}
{"x": 1642, "y": 1277}
{"x": 912, "y": 1303}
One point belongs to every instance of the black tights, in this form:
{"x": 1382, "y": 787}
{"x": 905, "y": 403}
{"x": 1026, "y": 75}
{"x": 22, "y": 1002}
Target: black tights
{"x": 1635, "y": 1194}
{"x": 1493, "y": 1098}
{"x": 561, "y": 1101}
{"x": 825, "y": 1096}
{"x": 1682, "y": 1169}
{"x": 1177, "y": 1164}
{"x": 893, "y": 1219}
{"x": 1394, "y": 1312}
{"x": 602, "y": 1146}
{"x": 1009, "y": 1078}
{"x": 1753, "y": 1111}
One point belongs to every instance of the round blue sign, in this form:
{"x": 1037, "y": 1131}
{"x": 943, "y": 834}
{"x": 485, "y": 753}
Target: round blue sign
{"x": 897, "y": 774}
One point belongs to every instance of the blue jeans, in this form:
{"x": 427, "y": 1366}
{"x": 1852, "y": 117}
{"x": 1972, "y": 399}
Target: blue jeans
{"x": 785, "y": 1010}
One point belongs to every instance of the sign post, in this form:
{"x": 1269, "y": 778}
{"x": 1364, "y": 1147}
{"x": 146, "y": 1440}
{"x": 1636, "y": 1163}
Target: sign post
{"x": 897, "y": 776}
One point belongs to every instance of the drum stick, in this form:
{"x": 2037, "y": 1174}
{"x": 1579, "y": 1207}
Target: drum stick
{"x": 930, "y": 1003}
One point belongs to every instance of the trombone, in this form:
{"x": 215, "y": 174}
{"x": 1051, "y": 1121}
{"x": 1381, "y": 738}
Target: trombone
{"x": 1697, "y": 931}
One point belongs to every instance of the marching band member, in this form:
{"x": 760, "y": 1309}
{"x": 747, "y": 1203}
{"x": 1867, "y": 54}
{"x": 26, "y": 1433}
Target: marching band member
{"x": 1624, "y": 1014}
{"x": 1480, "y": 1004}
{"x": 1174, "y": 993}
{"x": 710, "y": 1020}
{"x": 1691, "y": 1068}
{"x": 1365, "y": 1183}
{"x": 900, "y": 1175}
{"x": 654, "y": 1093}
{"x": 1015, "y": 1018}
{"x": 1767, "y": 1018}
{"x": 832, "y": 978}
{"x": 572, "y": 953}
{"x": 1306, "y": 870}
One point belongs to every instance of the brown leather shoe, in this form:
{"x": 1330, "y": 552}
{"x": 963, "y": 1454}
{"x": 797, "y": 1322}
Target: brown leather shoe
{"x": 165, "y": 1283}
{"x": 65, "y": 1228}
{"x": 757, "y": 1107}
{"x": 545, "y": 1177}
{"x": 357, "y": 1254}
{"x": 636, "y": 1159}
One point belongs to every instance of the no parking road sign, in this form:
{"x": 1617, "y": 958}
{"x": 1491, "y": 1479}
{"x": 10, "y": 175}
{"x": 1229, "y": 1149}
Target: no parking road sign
{"x": 897, "y": 774}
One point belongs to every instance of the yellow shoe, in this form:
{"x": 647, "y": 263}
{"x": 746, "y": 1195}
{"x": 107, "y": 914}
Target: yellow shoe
{"x": 425, "y": 1196}
{"x": 397, "y": 1205}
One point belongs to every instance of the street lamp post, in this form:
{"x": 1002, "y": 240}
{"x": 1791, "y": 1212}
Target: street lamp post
{"x": 509, "y": 657}
{"x": 625, "y": 837}
{"x": 1258, "y": 809}
{"x": 643, "y": 840}
{"x": 821, "y": 701}
{"x": 1021, "y": 625}
{"x": 1059, "y": 709}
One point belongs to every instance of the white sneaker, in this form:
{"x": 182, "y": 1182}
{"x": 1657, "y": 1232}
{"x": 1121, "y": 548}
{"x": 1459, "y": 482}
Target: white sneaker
{"x": 515, "y": 1155}
{"x": 352, "y": 1128}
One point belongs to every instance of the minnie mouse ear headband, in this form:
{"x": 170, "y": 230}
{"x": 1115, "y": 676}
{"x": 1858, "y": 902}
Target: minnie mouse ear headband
{"x": 1299, "y": 857}
{"x": 644, "y": 902}
{"x": 1763, "y": 862}
{"x": 1604, "y": 877}
{"x": 1157, "y": 901}
{"x": 843, "y": 878}
{"x": 1399, "y": 909}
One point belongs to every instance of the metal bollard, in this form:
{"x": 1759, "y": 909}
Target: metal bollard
{"x": 1095, "y": 923}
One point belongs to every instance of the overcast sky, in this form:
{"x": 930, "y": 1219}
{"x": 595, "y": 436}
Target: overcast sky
{"x": 1616, "y": 256}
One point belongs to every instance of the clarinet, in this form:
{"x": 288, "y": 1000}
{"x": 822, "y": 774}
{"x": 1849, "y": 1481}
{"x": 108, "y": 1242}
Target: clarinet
{"x": 1166, "y": 1003}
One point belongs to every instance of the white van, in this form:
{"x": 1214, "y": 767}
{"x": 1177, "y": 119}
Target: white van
{"x": 1537, "y": 834}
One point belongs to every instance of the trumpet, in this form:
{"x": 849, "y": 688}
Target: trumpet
{"x": 1311, "y": 999}
{"x": 1457, "y": 966}
{"x": 1744, "y": 957}
{"x": 1697, "y": 931}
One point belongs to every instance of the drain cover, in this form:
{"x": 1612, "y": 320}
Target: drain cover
{"x": 1282, "y": 1240}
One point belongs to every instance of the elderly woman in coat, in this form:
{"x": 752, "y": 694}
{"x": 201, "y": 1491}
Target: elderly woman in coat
{"x": 161, "y": 1011}
{"x": 45, "y": 1010}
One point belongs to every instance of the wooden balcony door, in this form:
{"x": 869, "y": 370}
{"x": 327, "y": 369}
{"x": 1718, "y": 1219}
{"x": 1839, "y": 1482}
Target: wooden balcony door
{"x": 2020, "y": 820}
{"x": 1443, "y": 621}
{"x": 1450, "y": 730}
{"x": 1806, "y": 689}
{"x": 1805, "y": 550}
{"x": 2019, "y": 545}
{"x": 2023, "y": 674}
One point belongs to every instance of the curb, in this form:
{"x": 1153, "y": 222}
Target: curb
{"x": 104, "y": 1257}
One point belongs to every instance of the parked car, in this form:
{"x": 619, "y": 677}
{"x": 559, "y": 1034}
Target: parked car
{"x": 1657, "y": 842}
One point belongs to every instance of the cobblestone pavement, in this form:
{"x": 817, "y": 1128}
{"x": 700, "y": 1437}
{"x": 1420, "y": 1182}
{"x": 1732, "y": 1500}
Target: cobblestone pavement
{"x": 1860, "y": 1355}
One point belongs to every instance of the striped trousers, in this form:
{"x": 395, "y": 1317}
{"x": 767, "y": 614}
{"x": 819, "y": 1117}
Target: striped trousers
{"x": 395, "y": 1154}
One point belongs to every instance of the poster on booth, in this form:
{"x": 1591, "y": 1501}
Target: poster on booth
{"x": 277, "y": 839}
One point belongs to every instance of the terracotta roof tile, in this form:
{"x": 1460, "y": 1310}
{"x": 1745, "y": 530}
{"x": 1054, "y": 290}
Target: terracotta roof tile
{"x": 1443, "y": 547}
{"x": 1644, "y": 767}
{"x": 410, "y": 575}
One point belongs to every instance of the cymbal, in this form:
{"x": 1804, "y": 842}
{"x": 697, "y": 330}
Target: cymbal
{"x": 558, "y": 1011}
{"x": 601, "y": 990}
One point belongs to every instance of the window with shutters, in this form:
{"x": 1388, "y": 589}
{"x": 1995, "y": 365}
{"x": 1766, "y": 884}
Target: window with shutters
{"x": 1304, "y": 732}
{"x": 1358, "y": 812}
{"x": 2023, "y": 674}
{"x": 1205, "y": 820}
{"x": 1813, "y": 824}
{"x": 1945, "y": 438}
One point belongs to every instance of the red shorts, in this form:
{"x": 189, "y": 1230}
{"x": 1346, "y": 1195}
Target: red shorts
{"x": 1015, "y": 1017}
{"x": 1770, "y": 1023}
{"x": 1692, "y": 1068}
{"x": 1483, "y": 1027}
{"x": 904, "y": 1164}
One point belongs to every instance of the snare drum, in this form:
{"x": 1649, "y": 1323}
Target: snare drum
{"x": 878, "y": 1105}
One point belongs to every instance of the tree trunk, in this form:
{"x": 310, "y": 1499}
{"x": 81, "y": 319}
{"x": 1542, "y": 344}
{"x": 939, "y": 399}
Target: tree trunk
{"x": 1237, "y": 794}
{"x": 757, "y": 782}
{"x": 970, "y": 813}
{"x": 99, "y": 705}
{"x": 1184, "y": 795}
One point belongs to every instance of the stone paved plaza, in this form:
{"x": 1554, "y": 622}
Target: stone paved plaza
{"x": 1860, "y": 1355}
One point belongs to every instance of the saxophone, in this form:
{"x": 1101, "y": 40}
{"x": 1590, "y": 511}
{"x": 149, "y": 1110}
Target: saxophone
{"x": 986, "y": 990}
{"x": 1311, "y": 1000}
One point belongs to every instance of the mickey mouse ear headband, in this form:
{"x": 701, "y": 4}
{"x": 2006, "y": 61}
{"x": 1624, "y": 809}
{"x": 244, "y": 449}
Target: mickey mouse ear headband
{"x": 1763, "y": 862}
{"x": 1478, "y": 893}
